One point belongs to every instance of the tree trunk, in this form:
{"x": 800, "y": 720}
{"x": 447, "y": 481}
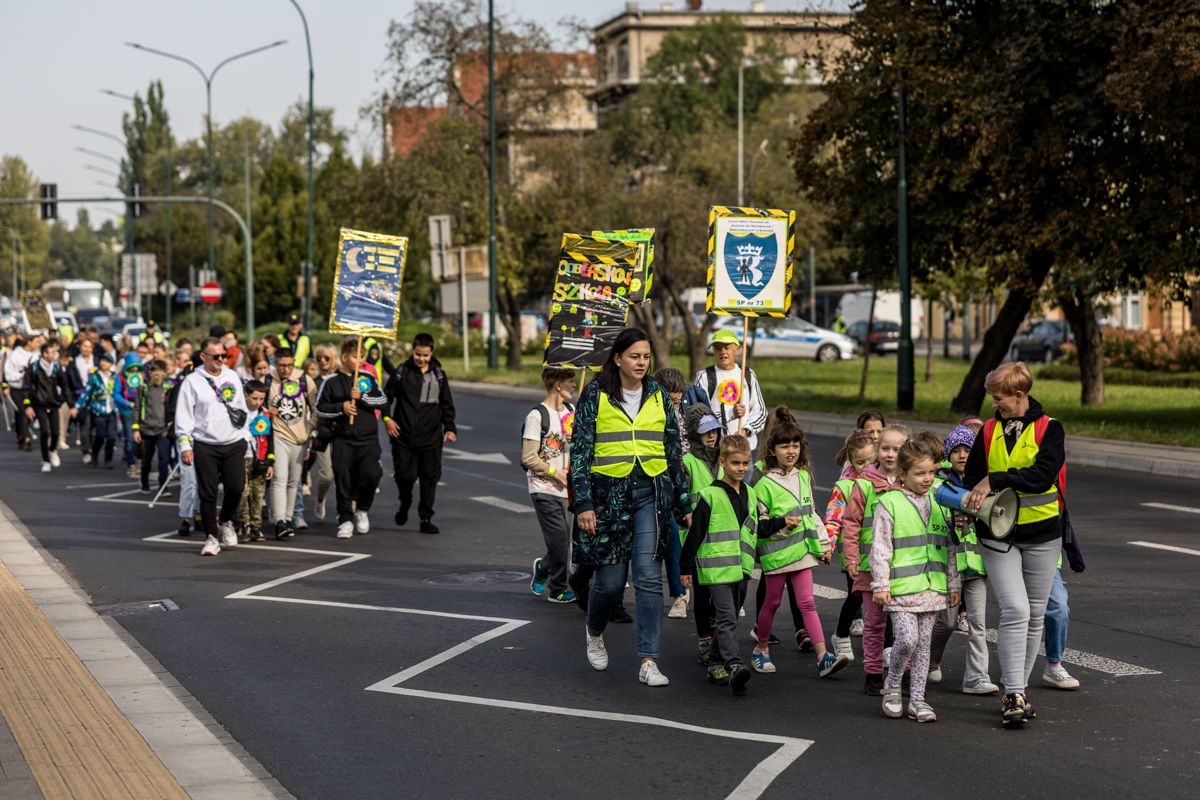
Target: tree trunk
{"x": 862, "y": 386}
{"x": 929, "y": 341}
{"x": 752, "y": 337}
{"x": 1000, "y": 335}
{"x": 1080, "y": 312}
{"x": 510, "y": 316}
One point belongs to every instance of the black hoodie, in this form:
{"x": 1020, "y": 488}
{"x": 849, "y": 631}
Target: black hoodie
{"x": 420, "y": 404}
{"x": 1036, "y": 479}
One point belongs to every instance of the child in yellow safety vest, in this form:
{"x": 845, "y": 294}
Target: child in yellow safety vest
{"x": 702, "y": 465}
{"x": 791, "y": 539}
{"x": 955, "y": 449}
{"x": 913, "y": 576}
{"x": 719, "y": 550}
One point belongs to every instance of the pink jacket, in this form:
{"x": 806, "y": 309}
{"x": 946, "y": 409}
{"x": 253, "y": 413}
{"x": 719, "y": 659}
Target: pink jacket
{"x": 853, "y": 517}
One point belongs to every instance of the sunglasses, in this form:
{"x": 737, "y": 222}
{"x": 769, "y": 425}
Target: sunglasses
{"x": 323, "y": 358}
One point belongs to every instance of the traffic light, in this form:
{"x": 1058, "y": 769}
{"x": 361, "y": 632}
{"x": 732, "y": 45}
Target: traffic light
{"x": 137, "y": 210}
{"x": 49, "y": 209}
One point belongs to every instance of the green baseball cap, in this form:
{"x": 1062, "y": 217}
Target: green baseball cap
{"x": 725, "y": 337}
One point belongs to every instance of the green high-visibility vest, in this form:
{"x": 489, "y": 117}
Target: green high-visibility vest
{"x": 699, "y": 476}
{"x": 368, "y": 343}
{"x": 846, "y": 485}
{"x": 1035, "y": 506}
{"x": 967, "y": 555}
{"x": 301, "y": 349}
{"x": 920, "y": 552}
{"x": 790, "y": 546}
{"x": 621, "y": 441}
{"x": 864, "y": 533}
{"x": 727, "y": 552}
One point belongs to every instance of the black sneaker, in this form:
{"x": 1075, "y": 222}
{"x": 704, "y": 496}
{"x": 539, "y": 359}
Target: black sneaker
{"x": 185, "y": 527}
{"x": 1014, "y": 708}
{"x": 739, "y": 676}
{"x": 619, "y": 615}
{"x": 873, "y": 684}
{"x": 427, "y": 526}
{"x": 803, "y": 640}
{"x": 580, "y": 589}
{"x": 1029, "y": 712}
{"x": 718, "y": 674}
{"x": 402, "y": 515}
{"x": 245, "y": 534}
{"x": 283, "y": 529}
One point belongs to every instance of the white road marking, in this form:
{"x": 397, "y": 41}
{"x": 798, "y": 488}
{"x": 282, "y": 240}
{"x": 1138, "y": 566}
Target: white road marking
{"x": 522, "y": 486}
{"x": 486, "y": 458}
{"x": 101, "y": 485}
{"x": 1169, "y": 507}
{"x": 828, "y": 592}
{"x": 115, "y": 497}
{"x": 507, "y": 505}
{"x": 750, "y": 788}
{"x": 1157, "y": 546}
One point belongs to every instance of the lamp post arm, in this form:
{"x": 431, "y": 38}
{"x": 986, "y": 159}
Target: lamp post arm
{"x": 187, "y": 61}
{"x": 243, "y": 55}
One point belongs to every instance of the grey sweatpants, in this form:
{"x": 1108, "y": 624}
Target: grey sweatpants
{"x": 1021, "y": 579}
{"x": 727, "y": 598}
{"x": 556, "y": 530}
{"x": 974, "y": 593}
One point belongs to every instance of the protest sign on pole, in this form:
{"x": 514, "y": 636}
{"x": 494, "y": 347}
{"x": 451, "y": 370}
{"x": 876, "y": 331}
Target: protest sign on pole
{"x": 37, "y": 311}
{"x": 591, "y": 299}
{"x": 366, "y": 284}
{"x": 750, "y": 261}
{"x": 643, "y": 279}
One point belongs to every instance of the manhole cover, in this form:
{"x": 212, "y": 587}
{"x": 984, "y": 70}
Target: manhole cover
{"x": 460, "y": 578}
{"x": 128, "y": 609}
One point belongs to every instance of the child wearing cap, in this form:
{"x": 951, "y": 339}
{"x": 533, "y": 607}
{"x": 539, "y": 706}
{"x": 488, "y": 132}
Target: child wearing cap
{"x": 99, "y": 399}
{"x": 729, "y": 400}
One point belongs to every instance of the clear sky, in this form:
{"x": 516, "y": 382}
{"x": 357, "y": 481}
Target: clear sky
{"x": 57, "y": 56}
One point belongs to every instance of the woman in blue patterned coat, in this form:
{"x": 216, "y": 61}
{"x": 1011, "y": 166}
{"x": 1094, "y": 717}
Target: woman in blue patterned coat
{"x": 626, "y": 478}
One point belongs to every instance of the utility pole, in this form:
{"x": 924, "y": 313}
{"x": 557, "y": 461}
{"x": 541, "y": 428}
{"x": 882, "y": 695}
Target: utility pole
{"x": 493, "y": 342}
{"x": 905, "y": 382}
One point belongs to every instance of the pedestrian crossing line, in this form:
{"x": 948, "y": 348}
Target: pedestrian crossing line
{"x": 750, "y": 788}
{"x": 1168, "y": 547}
{"x": 507, "y": 505}
{"x": 119, "y": 497}
{"x": 1169, "y": 507}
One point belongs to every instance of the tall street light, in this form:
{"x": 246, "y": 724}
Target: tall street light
{"x": 306, "y": 273}
{"x": 208, "y": 79}
{"x": 162, "y": 117}
{"x": 493, "y": 343}
{"x": 127, "y": 190}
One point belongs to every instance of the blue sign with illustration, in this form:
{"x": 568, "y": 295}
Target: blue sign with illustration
{"x": 750, "y": 260}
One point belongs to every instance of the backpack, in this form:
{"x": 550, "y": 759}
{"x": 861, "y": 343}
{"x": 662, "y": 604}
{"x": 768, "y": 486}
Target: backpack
{"x": 545, "y": 415}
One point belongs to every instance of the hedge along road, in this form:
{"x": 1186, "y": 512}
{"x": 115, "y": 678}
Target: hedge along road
{"x": 308, "y": 682}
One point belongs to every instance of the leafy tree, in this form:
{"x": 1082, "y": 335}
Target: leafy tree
{"x": 17, "y": 180}
{"x": 77, "y": 252}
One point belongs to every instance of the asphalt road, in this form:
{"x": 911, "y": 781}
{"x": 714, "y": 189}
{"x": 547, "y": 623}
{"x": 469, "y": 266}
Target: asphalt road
{"x": 491, "y": 695}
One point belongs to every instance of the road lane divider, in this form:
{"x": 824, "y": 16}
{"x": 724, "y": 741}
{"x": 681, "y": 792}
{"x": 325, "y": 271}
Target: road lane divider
{"x": 507, "y": 505}
{"x": 1167, "y": 547}
{"x": 1169, "y": 507}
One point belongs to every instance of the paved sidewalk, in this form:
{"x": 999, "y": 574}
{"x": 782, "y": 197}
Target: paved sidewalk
{"x": 83, "y": 715}
{"x": 1156, "y": 459}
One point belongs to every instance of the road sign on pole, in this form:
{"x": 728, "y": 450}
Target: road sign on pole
{"x": 211, "y": 292}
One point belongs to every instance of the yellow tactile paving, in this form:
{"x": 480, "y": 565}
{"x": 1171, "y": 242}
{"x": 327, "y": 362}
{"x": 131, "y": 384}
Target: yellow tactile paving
{"x": 77, "y": 743}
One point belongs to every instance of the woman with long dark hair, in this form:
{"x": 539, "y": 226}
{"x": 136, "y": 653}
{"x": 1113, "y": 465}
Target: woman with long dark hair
{"x": 626, "y": 478}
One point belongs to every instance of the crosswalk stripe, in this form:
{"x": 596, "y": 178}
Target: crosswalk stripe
{"x": 1169, "y": 507}
{"x": 1157, "y": 546}
{"x": 507, "y": 505}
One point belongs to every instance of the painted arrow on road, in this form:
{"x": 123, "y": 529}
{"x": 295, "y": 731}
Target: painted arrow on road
{"x": 486, "y": 458}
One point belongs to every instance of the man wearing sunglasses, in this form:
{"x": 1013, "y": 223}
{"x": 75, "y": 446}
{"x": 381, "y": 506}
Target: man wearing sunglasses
{"x": 210, "y": 424}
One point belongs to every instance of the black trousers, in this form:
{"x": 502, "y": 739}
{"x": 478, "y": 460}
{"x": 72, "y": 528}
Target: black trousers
{"x": 356, "y": 473}
{"x": 48, "y": 422}
{"x": 21, "y": 423}
{"x": 412, "y": 465}
{"x": 223, "y": 464}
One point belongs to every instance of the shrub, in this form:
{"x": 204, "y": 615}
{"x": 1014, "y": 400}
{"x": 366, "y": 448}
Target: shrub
{"x": 1139, "y": 350}
{"x": 1116, "y": 376}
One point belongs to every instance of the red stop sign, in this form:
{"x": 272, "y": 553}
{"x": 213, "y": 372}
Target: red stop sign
{"x": 211, "y": 292}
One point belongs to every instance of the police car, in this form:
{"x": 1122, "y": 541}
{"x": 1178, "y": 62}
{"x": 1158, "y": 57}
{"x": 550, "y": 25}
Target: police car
{"x": 793, "y": 338}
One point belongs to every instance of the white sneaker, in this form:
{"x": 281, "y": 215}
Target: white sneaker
{"x": 55, "y": 461}
{"x": 1058, "y": 678}
{"x": 87, "y": 458}
{"x": 228, "y": 535}
{"x": 321, "y": 508}
{"x": 650, "y": 675}
{"x": 346, "y": 530}
{"x": 45, "y": 466}
{"x": 843, "y": 647}
{"x": 361, "y": 523}
{"x": 887, "y": 658}
{"x": 679, "y": 608}
{"x": 64, "y": 446}
{"x": 307, "y": 490}
{"x": 856, "y": 627}
{"x": 597, "y": 655}
{"x": 935, "y": 674}
{"x": 741, "y": 612}
{"x": 983, "y": 687}
{"x": 211, "y": 547}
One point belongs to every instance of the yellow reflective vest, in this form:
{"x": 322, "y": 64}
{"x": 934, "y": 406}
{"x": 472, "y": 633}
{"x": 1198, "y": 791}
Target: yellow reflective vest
{"x": 1035, "y": 507}
{"x": 620, "y": 441}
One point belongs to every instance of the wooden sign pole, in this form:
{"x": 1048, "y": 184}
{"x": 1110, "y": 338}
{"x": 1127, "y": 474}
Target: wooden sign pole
{"x": 742, "y": 384}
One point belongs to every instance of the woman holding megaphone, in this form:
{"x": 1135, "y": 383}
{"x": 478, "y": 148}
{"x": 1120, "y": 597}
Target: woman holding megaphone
{"x": 1020, "y": 449}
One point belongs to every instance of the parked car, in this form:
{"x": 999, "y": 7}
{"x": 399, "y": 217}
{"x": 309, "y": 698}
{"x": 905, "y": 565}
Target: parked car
{"x": 791, "y": 337}
{"x": 1043, "y": 343}
{"x": 885, "y": 335}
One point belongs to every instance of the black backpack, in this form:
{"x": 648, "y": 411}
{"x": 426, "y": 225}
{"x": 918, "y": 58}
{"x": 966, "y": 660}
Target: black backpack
{"x": 545, "y": 414}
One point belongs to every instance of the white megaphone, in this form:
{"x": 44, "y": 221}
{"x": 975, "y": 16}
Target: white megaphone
{"x": 998, "y": 512}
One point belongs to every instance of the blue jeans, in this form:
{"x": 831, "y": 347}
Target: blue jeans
{"x": 189, "y": 498}
{"x": 127, "y": 432}
{"x": 1058, "y": 617}
{"x": 674, "y": 551}
{"x": 647, "y": 580}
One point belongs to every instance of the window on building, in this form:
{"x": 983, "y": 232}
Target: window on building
{"x": 623, "y": 59}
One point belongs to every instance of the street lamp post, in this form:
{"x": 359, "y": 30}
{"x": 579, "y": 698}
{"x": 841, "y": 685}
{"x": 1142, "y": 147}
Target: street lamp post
{"x": 162, "y": 116}
{"x": 125, "y": 190}
{"x": 493, "y": 343}
{"x": 208, "y": 79}
{"x": 905, "y": 381}
{"x": 308, "y": 265}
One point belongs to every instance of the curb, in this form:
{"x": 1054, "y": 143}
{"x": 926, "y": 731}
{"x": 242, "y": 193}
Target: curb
{"x": 1082, "y": 451}
{"x": 202, "y": 756}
